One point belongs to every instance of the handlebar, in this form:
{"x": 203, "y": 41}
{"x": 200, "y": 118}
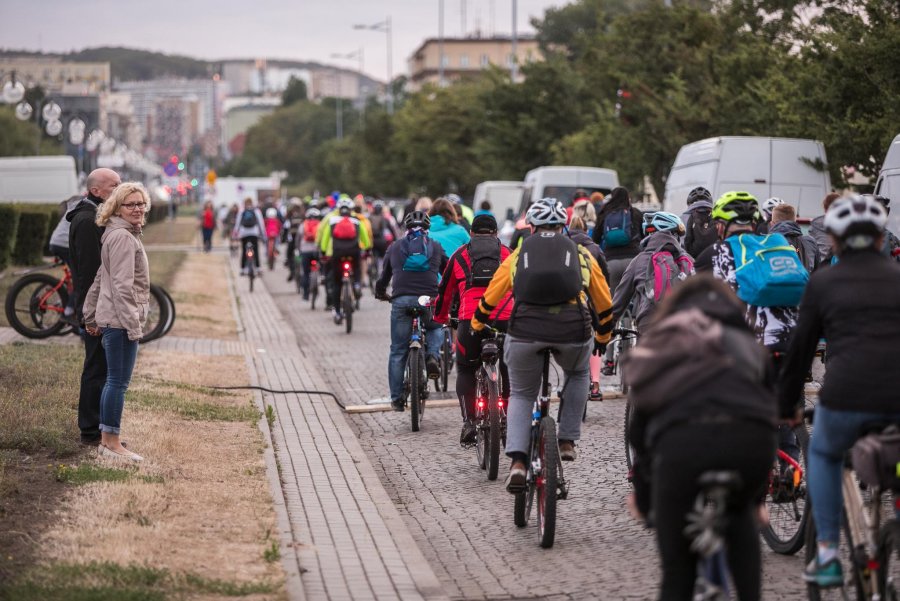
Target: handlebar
{"x": 623, "y": 332}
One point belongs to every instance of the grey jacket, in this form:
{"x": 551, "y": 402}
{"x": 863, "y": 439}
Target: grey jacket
{"x": 636, "y": 274}
{"x": 818, "y": 233}
{"x": 789, "y": 229}
{"x": 120, "y": 294}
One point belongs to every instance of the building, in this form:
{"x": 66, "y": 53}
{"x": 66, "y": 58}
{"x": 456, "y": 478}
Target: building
{"x": 239, "y": 114}
{"x": 263, "y": 77}
{"x": 467, "y": 57}
{"x": 56, "y": 76}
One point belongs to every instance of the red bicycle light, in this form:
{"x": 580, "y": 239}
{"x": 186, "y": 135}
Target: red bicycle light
{"x": 249, "y": 253}
{"x": 500, "y": 402}
{"x": 346, "y": 266}
{"x": 873, "y": 564}
{"x": 481, "y": 403}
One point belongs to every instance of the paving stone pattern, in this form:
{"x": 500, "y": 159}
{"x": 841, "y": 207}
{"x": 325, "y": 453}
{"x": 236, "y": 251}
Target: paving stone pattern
{"x": 462, "y": 522}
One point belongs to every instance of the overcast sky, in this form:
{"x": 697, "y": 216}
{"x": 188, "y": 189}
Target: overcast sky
{"x": 291, "y": 29}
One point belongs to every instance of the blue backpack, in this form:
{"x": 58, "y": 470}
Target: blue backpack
{"x": 417, "y": 249}
{"x": 617, "y": 229}
{"x": 769, "y": 272}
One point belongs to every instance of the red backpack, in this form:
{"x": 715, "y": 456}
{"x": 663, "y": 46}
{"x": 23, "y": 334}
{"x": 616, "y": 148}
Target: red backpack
{"x": 344, "y": 229}
{"x": 310, "y": 228}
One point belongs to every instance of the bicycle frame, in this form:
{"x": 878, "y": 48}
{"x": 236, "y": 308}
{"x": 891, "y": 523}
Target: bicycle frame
{"x": 539, "y": 410}
{"x": 864, "y": 519}
{"x": 65, "y": 280}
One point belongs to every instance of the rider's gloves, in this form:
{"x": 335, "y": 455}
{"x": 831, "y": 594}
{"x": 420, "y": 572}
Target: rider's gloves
{"x": 599, "y": 348}
{"x": 382, "y": 295}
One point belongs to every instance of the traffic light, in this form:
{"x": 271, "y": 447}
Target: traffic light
{"x": 211, "y": 177}
{"x": 181, "y": 166}
{"x": 195, "y": 181}
{"x": 173, "y": 158}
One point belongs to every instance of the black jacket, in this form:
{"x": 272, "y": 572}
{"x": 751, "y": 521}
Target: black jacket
{"x": 410, "y": 283}
{"x": 855, "y": 306}
{"x": 581, "y": 238}
{"x": 84, "y": 248}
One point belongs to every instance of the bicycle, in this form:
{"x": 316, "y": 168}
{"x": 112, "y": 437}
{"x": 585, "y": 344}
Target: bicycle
{"x": 870, "y": 549}
{"x": 490, "y": 410}
{"x": 446, "y": 358}
{"x": 787, "y": 499}
{"x": 625, "y": 339}
{"x": 250, "y": 262}
{"x": 544, "y": 476}
{"x": 271, "y": 252}
{"x": 346, "y": 300}
{"x": 35, "y": 305}
{"x": 314, "y": 277}
{"x": 415, "y": 380}
{"x": 372, "y": 271}
{"x": 707, "y": 523}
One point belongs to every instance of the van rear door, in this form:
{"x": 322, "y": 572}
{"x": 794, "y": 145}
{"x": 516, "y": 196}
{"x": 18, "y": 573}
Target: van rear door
{"x": 800, "y": 175}
{"x": 744, "y": 166}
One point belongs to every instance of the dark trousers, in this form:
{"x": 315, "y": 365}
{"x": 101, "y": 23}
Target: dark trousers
{"x": 468, "y": 360}
{"x": 255, "y": 242}
{"x": 207, "y": 238}
{"x": 679, "y": 456}
{"x": 336, "y": 275}
{"x": 93, "y": 378}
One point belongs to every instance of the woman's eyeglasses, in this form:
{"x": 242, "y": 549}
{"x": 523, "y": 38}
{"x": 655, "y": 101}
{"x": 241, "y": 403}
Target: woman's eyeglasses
{"x": 131, "y": 206}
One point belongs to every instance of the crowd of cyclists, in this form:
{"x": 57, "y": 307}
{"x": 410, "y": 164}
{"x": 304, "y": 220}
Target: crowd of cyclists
{"x": 731, "y": 300}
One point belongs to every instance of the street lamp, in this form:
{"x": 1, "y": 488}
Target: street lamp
{"x": 339, "y": 115}
{"x": 385, "y": 27}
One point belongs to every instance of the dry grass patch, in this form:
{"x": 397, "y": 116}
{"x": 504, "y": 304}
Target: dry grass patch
{"x": 195, "y": 518}
{"x": 184, "y": 230}
{"x": 202, "y": 300}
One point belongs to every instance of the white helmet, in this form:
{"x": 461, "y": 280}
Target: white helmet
{"x": 271, "y": 213}
{"x": 345, "y": 203}
{"x": 769, "y": 205}
{"x": 856, "y": 220}
{"x": 546, "y": 211}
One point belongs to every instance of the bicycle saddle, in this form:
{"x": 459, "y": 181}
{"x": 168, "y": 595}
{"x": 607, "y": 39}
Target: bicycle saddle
{"x": 730, "y": 480}
{"x": 880, "y": 426}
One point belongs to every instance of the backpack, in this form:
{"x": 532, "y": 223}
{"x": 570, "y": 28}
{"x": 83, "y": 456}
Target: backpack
{"x": 484, "y": 259}
{"x": 548, "y": 270}
{"x": 310, "y": 228}
{"x": 797, "y": 243}
{"x": 248, "y": 218}
{"x": 876, "y": 459}
{"x": 418, "y": 253}
{"x": 768, "y": 270}
{"x": 703, "y": 233}
{"x": 344, "y": 229}
{"x": 617, "y": 229}
{"x": 664, "y": 271}
{"x": 377, "y": 222}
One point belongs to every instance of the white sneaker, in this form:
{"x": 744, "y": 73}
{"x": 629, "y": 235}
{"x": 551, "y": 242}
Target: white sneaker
{"x": 126, "y": 456}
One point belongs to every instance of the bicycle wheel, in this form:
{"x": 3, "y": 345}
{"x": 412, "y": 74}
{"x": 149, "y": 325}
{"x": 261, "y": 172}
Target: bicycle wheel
{"x": 493, "y": 447}
{"x": 157, "y": 315}
{"x": 629, "y": 450}
{"x": 624, "y": 347}
{"x": 546, "y": 482}
{"x": 373, "y": 273}
{"x": 251, "y": 273}
{"x": 35, "y": 305}
{"x": 786, "y": 502}
{"x": 889, "y": 560}
{"x": 413, "y": 376}
{"x": 446, "y": 359}
{"x": 313, "y": 288}
{"x": 482, "y": 424}
{"x": 852, "y": 575}
{"x": 347, "y": 305}
{"x": 171, "y": 303}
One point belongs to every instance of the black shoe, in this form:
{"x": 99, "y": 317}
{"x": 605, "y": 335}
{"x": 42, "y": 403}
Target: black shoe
{"x": 467, "y": 436}
{"x": 433, "y": 367}
{"x": 398, "y": 405}
{"x": 609, "y": 369}
{"x": 290, "y": 277}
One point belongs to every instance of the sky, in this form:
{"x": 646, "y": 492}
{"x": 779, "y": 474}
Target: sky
{"x": 287, "y": 29}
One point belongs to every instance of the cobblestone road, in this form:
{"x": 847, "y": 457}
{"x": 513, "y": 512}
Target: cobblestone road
{"x": 462, "y": 522}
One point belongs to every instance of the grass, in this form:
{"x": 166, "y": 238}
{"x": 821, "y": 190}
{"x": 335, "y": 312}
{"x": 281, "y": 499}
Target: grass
{"x": 164, "y": 265}
{"x": 85, "y": 473}
{"x": 190, "y": 406}
{"x": 107, "y": 581}
{"x": 183, "y": 230}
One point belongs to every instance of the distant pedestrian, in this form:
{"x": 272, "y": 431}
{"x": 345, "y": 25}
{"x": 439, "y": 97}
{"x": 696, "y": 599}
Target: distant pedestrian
{"x": 484, "y": 209}
{"x": 207, "y": 225}
{"x": 84, "y": 254}
{"x": 117, "y": 304}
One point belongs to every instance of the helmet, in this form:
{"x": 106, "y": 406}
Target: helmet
{"x": 856, "y": 220}
{"x": 546, "y": 211}
{"x": 739, "y": 207}
{"x": 417, "y": 219}
{"x": 769, "y": 205}
{"x": 313, "y": 213}
{"x": 271, "y": 213}
{"x": 454, "y": 198}
{"x": 699, "y": 193}
{"x": 377, "y": 207}
{"x": 345, "y": 203}
{"x": 661, "y": 221}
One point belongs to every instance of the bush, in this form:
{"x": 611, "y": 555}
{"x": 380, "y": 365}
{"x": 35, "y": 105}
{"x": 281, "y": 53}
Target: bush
{"x": 31, "y": 237}
{"x": 9, "y": 220}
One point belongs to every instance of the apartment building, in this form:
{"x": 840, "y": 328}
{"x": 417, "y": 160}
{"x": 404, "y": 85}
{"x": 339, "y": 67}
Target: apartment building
{"x": 467, "y": 57}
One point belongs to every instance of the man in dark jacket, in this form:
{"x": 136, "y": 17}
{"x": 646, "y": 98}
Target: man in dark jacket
{"x": 84, "y": 253}
{"x": 783, "y": 222}
{"x": 817, "y": 228}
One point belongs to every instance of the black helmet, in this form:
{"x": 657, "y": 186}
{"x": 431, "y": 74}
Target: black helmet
{"x": 417, "y": 219}
{"x": 698, "y": 193}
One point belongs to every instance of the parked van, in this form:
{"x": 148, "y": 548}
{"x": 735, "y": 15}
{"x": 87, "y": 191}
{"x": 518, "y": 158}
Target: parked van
{"x": 50, "y": 179}
{"x": 504, "y": 197}
{"x": 791, "y": 169}
{"x": 562, "y": 182}
{"x": 888, "y": 183}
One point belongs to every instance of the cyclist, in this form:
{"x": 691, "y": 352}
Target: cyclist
{"x": 468, "y": 274}
{"x": 817, "y": 228}
{"x": 855, "y": 305}
{"x": 306, "y": 235}
{"x": 273, "y": 230}
{"x": 293, "y": 221}
{"x": 342, "y": 236}
{"x": 412, "y": 267}
{"x": 445, "y": 227}
{"x": 784, "y": 222}
{"x": 553, "y": 295}
{"x": 466, "y": 214}
{"x": 384, "y": 230}
{"x": 249, "y": 228}
{"x": 700, "y": 232}
{"x": 891, "y": 246}
{"x": 766, "y": 209}
{"x": 703, "y": 393}
{"x": 59, "y": 247}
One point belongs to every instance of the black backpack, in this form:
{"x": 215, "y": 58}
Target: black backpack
{"x": 548, "y": 270}
{"x": 703, "y": 231}
{"x": 484, "y": 258}
{"x": 248, "y": 218}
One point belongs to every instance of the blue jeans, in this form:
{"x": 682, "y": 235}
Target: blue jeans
{"x": 401, "y": 330}
{"x": 834, "y": 433}
{"x": 121, "y": 354}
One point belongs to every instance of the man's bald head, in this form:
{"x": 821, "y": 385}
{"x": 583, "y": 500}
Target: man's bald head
{"x": 101, "y": 182}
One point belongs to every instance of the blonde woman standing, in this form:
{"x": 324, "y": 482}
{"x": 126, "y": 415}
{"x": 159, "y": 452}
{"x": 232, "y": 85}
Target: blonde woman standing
{"x": 117, "y": 303}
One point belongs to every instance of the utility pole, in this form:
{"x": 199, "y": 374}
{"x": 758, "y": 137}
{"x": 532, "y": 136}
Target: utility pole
{"x": 441, "y": 43}
{"x": 514, "y": 67}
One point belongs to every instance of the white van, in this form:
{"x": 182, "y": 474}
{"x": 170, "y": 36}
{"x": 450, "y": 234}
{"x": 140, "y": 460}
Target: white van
{"x": 504, "y": 196}
{"x": 50, "y": 179}
{"x": 562, "y": 182}
{"x": 888, "y": 183}
{"x": 791, "y": 169}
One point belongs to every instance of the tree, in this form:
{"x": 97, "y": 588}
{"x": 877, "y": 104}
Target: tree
{"x": 20, "y": 137}
{"x": 294, "y": 92}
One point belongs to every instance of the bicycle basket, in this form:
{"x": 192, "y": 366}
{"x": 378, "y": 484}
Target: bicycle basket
{"x": 876, "y": 460}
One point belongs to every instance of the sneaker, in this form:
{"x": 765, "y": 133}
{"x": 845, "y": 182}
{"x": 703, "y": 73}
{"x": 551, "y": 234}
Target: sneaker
{"x": 515, "y": 481}
{"x": 467, "y": 435}
{"x": 609, "y": 369}
{"x": 827, "y": 575}
{"x": 433, "y": 367}
{"x": 567, "y": 450}
{"x": 126, "y": 456}
{"x": 290, "y": 277}
{"x": 398, "y": 405}
{"x": 338, "y": 318}
{"x": 595, "y": 394}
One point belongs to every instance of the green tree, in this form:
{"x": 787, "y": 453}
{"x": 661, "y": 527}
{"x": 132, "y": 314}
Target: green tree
{"x": 294, "y": 92}
{"x": 21, "y": 137}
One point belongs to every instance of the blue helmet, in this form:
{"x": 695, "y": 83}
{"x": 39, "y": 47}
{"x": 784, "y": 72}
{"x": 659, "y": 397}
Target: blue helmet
{"x": 661, "y": 221}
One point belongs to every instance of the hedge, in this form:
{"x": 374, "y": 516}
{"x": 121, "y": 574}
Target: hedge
{"x": 9, "y": 221}
{"x": 31, "y": 238}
